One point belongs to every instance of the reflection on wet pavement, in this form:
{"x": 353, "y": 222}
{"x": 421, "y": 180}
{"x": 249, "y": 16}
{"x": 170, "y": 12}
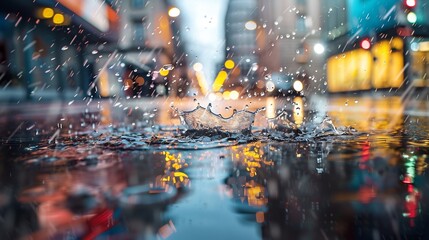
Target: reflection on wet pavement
{"x": 97, "y": 171}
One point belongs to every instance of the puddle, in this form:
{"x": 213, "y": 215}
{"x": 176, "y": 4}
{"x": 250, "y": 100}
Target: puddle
{"x": 201, "y": 129}
{"x": 175, "y": 179}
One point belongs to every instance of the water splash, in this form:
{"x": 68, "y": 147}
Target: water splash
{"x": 282, "y": 124}
{"x": 202, "y": 122}
{"x": 201, "y": 129}
{"x": 280, "y": 128}
{"x": 204, "y": 119}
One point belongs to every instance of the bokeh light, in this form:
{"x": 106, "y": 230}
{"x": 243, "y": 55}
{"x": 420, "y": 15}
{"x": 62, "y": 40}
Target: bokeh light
{"x": 47, "y": 12}
{"x": 58, "y": 18}
{"x": 250, "y": 25}
{"x": 229, "y": 64}
{"x": 173, "y": 12}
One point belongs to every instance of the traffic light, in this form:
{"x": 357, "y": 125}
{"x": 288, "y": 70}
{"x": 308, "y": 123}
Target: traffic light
{"x": 410, "y": 4}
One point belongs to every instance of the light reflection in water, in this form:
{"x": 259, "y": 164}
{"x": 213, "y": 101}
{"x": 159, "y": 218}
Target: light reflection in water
{"x": 270, "y": 108}
{"x": 173, "y": 173}
{"x": 349, "y": 189}
{"x": 367, "y": 113}
{"x": 298, "y": 111}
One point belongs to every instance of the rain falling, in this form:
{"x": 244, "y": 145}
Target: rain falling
{"x": 227, "y": 119}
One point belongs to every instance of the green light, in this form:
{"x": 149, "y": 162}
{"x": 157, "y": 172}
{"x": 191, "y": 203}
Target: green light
{"x": 412, "y": 17}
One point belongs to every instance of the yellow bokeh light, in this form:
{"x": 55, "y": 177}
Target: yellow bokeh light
{"x": 47, "y": 12}
{"x": 174, "y": 12}
{"x": 226, "y": 95}
{"x": 202, "y": 82}
{"x": 163, "y": 72}
{"x": 220, "y": 79}
{"x": 58, "y": 18}
{"x": 229, "y": 64}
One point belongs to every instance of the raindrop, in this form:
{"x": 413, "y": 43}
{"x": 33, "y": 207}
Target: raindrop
{"x": 168, "y": 67}
{"x": 64, "y": 48}
{"x": 94, "y": 52}
{"x": 254, "y": 67}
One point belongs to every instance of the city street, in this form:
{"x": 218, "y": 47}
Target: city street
{"x": 202, "y": 119}
{"x": 74, "y": 169}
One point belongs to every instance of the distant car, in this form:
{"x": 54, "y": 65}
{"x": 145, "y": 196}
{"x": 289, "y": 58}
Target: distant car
{"x": 286, "y": 84}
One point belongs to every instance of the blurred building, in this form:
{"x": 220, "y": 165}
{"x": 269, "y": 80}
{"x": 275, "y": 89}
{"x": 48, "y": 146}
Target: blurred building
{"x": 240, "y": 42}
{"x": 273, "y": 44}
{"x": 376, "y": 45}
{"x": 293, "y": 45}
{"x": 44, "y": 47}
{"x": 153, "y": 56}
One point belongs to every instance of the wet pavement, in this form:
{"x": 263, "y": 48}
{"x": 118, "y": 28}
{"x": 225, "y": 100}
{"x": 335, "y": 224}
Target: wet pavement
{"x": 113, "y": 169}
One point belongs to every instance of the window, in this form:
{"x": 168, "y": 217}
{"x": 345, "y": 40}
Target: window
{"x": 138, "y": 3}
{"x": 138, "y": 33}
{"x": 301, "y": 26}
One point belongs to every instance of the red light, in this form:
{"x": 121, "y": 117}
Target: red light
{"x": 410, "y": 3}
{"x": 365, "y": 44}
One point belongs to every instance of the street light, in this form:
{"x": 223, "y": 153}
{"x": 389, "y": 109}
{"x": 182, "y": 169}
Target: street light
{"x": 298, "y": 86}
{"x": 319, "y": 48}
{"x": 173, "y": 12}
{"x": 270, "y": 86}
{"x": 250, "y": 25}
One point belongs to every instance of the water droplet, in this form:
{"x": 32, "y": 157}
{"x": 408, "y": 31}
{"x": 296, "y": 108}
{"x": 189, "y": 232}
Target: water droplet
{"x": 94, "y": 52}
{"x": 64, "y": 48}
{"x": 267, "y": 76}
{"x": 168, "y": 67}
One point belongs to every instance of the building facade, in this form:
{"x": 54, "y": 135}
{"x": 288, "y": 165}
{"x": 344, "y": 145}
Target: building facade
{"x": 275, "y": 40}
{"x": 240, "y": 42}
{"x": 151, "y": 49}
{"x": 375, "y": 45}
{"x": 44, "y": 47}
{"x": 293, "y": 43}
